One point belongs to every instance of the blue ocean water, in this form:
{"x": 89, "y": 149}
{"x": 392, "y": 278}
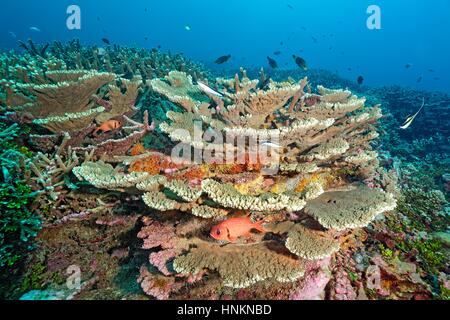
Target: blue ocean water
{"x": 328, "y": 34}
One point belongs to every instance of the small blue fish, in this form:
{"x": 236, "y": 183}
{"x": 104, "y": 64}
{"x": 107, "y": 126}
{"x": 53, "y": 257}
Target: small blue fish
{"x": 187, "y": 27}
{"x": 12, "y": 34}
{"x": 36, "y": 29}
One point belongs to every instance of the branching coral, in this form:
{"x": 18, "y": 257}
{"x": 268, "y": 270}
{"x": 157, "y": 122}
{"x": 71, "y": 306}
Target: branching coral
{"x": 50, "y": 170}
{"x": 113, "y": 147}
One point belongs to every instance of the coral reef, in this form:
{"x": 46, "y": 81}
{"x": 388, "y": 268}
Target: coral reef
{"x": 318, "y": 141}
{"x": 19, "y": 225}
{"x": 342, "y": 214}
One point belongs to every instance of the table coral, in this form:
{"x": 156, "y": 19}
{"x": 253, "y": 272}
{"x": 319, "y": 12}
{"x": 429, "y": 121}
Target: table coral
{"x": 319, "y": 142}
{"x": 240, "y": 266}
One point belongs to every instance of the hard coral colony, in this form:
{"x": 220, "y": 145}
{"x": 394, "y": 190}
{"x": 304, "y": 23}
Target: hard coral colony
{"x": 310, "y": 201}
{"x": 318, "y": 139}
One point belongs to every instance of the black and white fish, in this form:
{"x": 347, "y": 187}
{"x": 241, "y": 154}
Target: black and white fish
{"x": 410, "y": 119}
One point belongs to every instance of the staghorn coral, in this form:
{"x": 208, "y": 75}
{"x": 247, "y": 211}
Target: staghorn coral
{"x": 130, "y": 62}
{"x": 50, "y": 170}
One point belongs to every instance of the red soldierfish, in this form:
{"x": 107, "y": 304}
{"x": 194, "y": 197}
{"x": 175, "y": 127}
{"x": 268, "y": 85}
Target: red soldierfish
{"x": 234, "y": 228}
{"x": 108, "y": 126}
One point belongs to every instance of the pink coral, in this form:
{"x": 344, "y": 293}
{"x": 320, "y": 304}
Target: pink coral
{"x": 312, "y": 286}
{"x": 156, "y": 234}
{"x": 157, "y": 286}
{"x": 343, "y": 289}
{"x": 160, "y": 259}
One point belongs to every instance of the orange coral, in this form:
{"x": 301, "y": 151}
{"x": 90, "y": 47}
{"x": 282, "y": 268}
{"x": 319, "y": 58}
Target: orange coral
{"x": 193, "y": 173}
{"x": 153, "y": 164}
{"x": 306, "y": 181}
{"x": 323, "y": 179}
{"x": 137, "y": 150}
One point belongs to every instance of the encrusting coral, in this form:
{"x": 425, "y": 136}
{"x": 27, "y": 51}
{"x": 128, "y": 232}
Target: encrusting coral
{"x": 323, "y": 147}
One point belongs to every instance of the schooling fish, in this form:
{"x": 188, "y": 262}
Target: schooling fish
{"x": 187, "y": 27}
{"x": 300, "y": 62}
{"x": 35, "y": 29}
{"x": 272, "y": 63}
{"x": 223, "y": 59}
{"x": 410, "y": 119}
{"x": 108, "y": 126}
{"x": 360, "y": 80}
{"x": 208, "y": 90}
{"x": 105, "y": 40}
{"x": 234, "y": 228}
